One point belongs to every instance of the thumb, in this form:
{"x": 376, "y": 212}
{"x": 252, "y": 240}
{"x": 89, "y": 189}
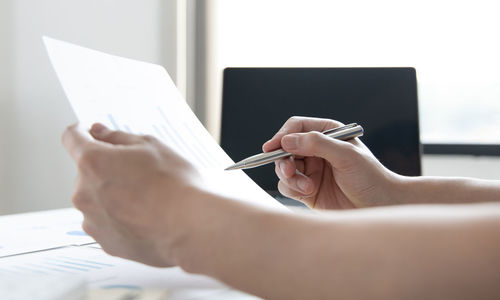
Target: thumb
{"x": 316, "y": 144}
{"x": 104, "y": 134}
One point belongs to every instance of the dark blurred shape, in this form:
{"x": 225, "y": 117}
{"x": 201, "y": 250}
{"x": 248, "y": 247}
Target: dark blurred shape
{"x": 257, "y": 101}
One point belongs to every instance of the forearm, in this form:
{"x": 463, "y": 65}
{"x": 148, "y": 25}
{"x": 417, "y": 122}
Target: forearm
{"x": 385, "y": 253}
{"x": 426, "y": 189}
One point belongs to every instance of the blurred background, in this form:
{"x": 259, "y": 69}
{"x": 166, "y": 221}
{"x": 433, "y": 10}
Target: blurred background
{"x": 452, "y": 44}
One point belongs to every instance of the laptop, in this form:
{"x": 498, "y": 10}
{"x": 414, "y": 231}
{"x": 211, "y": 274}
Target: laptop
{"x": 257, "y": 101}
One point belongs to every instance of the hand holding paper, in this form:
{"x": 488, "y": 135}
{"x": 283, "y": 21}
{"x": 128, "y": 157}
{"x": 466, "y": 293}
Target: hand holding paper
{"x": 138, "y": 97}
{"x": 155, "y": 176}
{"x": 138, "y": 196}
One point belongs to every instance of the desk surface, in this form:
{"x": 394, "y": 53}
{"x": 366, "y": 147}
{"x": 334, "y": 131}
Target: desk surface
{"x": 51, "y": 243}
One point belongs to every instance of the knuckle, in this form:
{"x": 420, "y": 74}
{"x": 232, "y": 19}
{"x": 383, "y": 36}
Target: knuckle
{"x": 149, "y": 139}
{"x": 66, "y": 135}
{"x": 278, "y": 172}
{"x": 316, "y": 136}
{"x": 89, "y": 159}
{"x": 277, "y": 169}
{"x": 294, "y": 119}
{"x": 80, "y": 201}
{"x": 71, "y": 127}
{"x": 114, "y": 136}
{"x": 282, "y": 189}
{"x": 313, "y": 138}
{"x": 88, "y": 228}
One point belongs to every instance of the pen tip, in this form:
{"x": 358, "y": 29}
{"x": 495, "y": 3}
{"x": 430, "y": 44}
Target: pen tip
{"x": 233, "y": 167}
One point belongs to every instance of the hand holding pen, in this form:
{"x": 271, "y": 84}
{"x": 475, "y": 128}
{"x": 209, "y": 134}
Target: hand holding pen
{"x": 343, "y": 133}
{"x": 326, "y": 172}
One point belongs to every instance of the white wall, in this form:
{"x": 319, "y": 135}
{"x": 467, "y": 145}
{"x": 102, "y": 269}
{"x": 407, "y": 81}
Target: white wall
{"x": 36, "y": 172}
{"x": 5, "y": 91}
{"x": 461, "y": 165}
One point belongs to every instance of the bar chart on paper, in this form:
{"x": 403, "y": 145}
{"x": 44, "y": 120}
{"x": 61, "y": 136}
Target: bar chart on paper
{"x": 100, "y": 270}
{"x": 140, "y": 98}
{"x": 183, "y": 139}
{"x": 143, "y": 100}
{"x": 51, "y": 263}
{"x": 50, "y": 246}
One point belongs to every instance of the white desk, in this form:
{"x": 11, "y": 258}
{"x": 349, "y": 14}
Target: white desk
{"x": 51, "y": 243}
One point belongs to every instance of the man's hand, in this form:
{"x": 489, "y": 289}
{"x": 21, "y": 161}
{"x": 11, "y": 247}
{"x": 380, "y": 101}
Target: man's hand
{"x": 133, "y": 192}
{"x": 328, "y": 173}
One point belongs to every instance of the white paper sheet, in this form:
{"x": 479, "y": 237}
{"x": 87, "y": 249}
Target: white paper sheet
{"x": 135, "y": 97}
{"x": 141, "y": 98}
{"x": 102, "y": 271}
{"x": 22, "y": 233}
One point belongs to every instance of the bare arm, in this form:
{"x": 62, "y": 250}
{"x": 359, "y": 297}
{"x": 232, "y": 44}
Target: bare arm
{"x": 446, "y": 190}
{"x": 417, "y": 252}
{"x": 332, "y": 174}
{"x": 142, "y": 201}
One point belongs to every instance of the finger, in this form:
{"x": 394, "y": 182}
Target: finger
{"x": 279, "y": 172}
{"x": 100, "y": 230}
{"x": 104, "y": 134}
{"x": 298, "y": 182}
{"x": 286, "y": 166}
{"x": 299, "y": 124}
{"x": 75, "y": 140}
{"x": 317, "y": 144}
{"x": 84, "y": 196}
{"x": 90, "y": 228}
{"x": 286, "y": 191}
{"x": 82, "y": 200}
{"x": 300, "y": 165}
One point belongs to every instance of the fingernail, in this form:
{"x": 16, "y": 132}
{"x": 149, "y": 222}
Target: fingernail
{"x": 290, "y": 142}
{"x": 303, "y": 184}
{"x": 97, "y": 129}
{"x": 282, "y": 167}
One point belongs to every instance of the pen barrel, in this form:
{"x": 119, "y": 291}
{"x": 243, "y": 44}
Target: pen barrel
{"x": 344, "y": 133}
{"x": 264, "y": 158}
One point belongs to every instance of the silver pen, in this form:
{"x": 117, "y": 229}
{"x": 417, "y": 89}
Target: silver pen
{"x": 344, "y": 133}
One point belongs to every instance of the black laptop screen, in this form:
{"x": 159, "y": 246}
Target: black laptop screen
{"x": 257, "y": 101}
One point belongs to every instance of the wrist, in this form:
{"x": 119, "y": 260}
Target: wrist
{"x": 185, "y": 218}
{"x": 406, "y": 189}
{"x": 202, "y": 229}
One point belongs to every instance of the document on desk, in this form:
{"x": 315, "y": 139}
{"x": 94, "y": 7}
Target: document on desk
{"x": 103, "y": 272}
{"x": 139, "y": 97}
{"x": 29, "y": 232}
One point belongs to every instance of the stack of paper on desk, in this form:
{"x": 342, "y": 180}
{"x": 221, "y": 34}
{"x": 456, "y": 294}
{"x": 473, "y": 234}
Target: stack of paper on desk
{"x": 50, "y": 261}
{"x": 29, "y": 232}
{"x": 141, "y": 98}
